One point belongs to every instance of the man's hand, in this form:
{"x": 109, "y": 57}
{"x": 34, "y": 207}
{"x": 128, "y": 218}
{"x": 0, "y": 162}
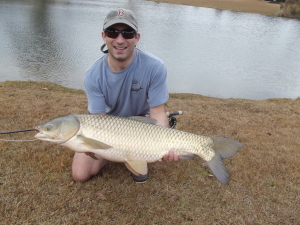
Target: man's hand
{"x": 170, "y": 156}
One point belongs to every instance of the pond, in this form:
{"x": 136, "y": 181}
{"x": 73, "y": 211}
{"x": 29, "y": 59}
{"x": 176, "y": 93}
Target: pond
{"x": 211, "y": 52}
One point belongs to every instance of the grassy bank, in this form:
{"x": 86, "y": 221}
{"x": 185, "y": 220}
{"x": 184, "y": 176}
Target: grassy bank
{"x": 291, "y": 9}
{"x": 37, "y": 188}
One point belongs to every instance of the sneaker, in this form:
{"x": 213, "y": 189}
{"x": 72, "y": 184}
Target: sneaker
{"x": 140, "y": 178}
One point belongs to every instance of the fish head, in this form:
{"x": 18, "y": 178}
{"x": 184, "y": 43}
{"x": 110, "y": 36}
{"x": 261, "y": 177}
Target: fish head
{"x": 58, "y": 130}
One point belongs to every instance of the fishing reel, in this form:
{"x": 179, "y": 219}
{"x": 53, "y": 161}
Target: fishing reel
{"x": 172, "y": 119}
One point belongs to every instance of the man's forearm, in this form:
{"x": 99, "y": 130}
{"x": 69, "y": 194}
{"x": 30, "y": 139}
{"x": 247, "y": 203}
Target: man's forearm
{"x": 159, "y": 114}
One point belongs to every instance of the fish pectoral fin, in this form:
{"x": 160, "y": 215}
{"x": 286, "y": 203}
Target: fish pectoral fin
{"x": 92, "y": 143}
{"x": 144, "y": 119}
{"x": 137, "y": 167}
{"x": 186, "y": 156}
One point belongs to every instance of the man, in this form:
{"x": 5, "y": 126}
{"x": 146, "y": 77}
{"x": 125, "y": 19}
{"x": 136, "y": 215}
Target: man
{"x": 125, "y": 82}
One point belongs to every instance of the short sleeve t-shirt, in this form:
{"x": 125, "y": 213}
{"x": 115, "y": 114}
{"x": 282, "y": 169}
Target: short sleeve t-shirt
{"x": 130, "y": 92}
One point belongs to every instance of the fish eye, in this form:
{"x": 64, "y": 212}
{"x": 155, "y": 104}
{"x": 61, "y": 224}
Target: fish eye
{"x": 48, "y": 127}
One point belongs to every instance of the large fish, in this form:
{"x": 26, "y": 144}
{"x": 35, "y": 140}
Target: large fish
{"x": 136, "y": 141}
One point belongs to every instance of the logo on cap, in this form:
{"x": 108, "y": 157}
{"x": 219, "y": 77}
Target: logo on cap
{"x": 121, "y": 12}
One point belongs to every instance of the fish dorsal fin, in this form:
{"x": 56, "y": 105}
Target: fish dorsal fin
{"x": 92, "y": 143}
{"x": 137, "y": 167}
{"x": 144, "y": 119}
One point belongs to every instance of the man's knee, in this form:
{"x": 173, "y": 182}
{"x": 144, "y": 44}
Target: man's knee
{"x": 84, "y": 167}
{"x": 80, "y": 176}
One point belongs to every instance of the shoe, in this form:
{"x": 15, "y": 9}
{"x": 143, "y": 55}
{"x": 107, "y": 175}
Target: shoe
{"x": 140, "y": 178}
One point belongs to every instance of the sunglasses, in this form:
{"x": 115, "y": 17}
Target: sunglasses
{"x": 114, "y": 33}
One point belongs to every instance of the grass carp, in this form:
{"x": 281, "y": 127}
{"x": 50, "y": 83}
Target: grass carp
{"x": 136, "y": 141}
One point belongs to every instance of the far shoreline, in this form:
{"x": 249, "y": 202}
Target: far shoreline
{"x": 249, "y": 6}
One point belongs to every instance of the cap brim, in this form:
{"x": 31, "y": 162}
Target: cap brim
{"x": 116, "y": 21}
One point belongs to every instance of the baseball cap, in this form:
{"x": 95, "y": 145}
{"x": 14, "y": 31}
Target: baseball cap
{"x": 120, "y": 16}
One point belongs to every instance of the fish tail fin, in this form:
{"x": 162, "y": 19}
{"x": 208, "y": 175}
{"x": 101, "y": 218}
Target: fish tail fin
{"x": 224, "y": 148}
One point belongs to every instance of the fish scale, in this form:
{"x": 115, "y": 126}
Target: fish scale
{"x": 153, "y": 141}
{"x": 136, "y": 141}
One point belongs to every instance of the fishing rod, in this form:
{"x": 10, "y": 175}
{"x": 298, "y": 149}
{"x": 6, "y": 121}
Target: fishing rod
{"x": 174, "y": 113}
{"x": 16, "y": 131}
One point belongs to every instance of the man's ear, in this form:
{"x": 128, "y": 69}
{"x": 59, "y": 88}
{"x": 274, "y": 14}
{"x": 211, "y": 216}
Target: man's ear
{"x": 137, "y": 37}
{"x": 103, "y": 37}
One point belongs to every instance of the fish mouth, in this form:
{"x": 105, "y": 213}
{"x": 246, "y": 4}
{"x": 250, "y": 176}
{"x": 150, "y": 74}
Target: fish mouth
{"x": 38, "y": 130}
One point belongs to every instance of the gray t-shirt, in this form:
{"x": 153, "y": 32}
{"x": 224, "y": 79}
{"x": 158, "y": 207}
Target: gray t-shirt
{"x": 130, "y": 92}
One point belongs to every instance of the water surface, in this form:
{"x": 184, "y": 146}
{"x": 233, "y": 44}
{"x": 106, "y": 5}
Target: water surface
{"x": 211, "y": 52}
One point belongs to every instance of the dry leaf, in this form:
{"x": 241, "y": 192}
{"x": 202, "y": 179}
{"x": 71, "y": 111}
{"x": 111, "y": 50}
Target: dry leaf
{"x": 71, "y": 184}
{"x": 101, "y": 196}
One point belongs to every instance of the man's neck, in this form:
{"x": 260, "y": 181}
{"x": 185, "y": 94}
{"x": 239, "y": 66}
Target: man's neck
{"x": 119, "y": 65}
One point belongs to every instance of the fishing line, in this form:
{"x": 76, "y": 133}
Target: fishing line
{"x": 17, "y": 131}
{"x": 18, "y": 140}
